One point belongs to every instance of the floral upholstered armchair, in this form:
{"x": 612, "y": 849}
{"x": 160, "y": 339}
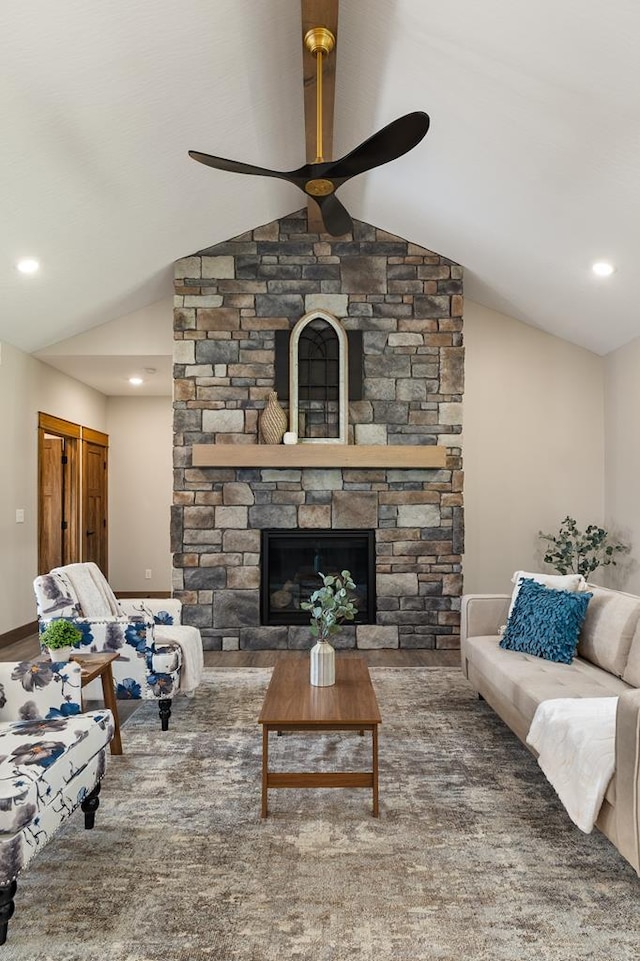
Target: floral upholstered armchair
{"x": 52, "y": 759}
{"x": 158, "y": 656}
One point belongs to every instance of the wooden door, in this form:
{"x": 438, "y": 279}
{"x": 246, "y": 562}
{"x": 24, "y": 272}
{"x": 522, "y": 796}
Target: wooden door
{"x": 58, "y": 487}
{"x": 51, "y": 503}
{"x": 94, "y": 498}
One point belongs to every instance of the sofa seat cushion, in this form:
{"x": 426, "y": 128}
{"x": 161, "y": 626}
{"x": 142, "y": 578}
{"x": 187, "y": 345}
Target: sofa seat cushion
{"x": 608, "y": 629}
{"x": 526, "y": 680}
{"x": 39, "y": 758}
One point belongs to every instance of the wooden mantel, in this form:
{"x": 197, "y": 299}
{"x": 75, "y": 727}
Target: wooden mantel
{"x": 319, "y": 455}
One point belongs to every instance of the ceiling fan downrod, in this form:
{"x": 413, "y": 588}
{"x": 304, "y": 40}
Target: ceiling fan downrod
{"x": 319, "y": 41}
{"x": 322, "y": 178}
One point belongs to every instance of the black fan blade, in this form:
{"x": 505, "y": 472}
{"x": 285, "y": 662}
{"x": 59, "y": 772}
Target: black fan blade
{"x": 334, "y": 215}
{"x": 236, "y": 167}
{"x": 394, "y": 140}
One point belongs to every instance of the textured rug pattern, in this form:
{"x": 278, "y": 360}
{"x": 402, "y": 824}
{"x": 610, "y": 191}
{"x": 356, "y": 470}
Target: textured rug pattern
{"x": 473, "y": 856}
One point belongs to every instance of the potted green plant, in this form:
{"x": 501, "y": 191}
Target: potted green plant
{"x": 329, "y": 606}
{"x": 572, "y": 551}
{"x": 59, "y": 637}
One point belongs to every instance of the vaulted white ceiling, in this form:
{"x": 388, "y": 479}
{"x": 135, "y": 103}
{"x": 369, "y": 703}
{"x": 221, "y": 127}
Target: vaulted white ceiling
{"x": 529, "y": 173}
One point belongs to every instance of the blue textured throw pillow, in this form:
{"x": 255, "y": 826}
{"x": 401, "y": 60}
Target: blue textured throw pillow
{"x": 545, "y": 622}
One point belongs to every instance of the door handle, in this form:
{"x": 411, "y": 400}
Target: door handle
{"x": 89, "y": 533}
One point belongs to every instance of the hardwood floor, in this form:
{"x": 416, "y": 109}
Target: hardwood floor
{"x": 29, "y": 647}
{"x": 382, "y": 658}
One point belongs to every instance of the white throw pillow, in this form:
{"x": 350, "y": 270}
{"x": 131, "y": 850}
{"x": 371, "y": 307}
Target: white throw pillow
{"x": 557, "y": 582}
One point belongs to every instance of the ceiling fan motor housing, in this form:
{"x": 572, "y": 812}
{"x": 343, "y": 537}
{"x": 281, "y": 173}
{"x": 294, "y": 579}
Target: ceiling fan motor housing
{"x": 319, "y": 40}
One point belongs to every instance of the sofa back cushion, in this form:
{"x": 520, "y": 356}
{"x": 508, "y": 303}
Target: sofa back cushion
{"x": 557, "y": 582}
{"x": 55, "y": 597}
{"x": 608, "y": 629}
{"x": 632, "y": 669}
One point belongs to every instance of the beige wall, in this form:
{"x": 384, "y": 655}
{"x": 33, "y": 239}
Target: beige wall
{"x": 533, "y": 452}
{"x": 140, "y": 491}
{"x": 26, "y": 387}
{"x": 622, "y": 460}
{"x": 533, "y": 443}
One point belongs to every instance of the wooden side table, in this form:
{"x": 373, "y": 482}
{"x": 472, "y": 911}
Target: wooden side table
{"x": 99, "y": 665}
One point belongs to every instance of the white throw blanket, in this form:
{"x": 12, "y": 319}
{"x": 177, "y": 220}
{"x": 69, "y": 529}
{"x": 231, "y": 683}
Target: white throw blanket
{"x": 87, "y": 582}
{"x": 192, "y": 654}
{"x": 575, "y": 740}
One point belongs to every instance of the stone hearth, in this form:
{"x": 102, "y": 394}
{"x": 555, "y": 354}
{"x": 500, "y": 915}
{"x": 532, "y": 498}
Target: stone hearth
{"x": 407, "y": 301}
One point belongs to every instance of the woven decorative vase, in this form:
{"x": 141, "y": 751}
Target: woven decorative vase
{"x": 273, "y": 421}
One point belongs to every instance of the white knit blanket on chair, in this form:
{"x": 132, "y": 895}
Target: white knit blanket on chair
{"x": 87, "y": 582}
{"x": 576, "y": 742}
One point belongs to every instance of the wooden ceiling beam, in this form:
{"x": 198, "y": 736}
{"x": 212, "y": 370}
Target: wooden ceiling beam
{"x": 318, "y": 13}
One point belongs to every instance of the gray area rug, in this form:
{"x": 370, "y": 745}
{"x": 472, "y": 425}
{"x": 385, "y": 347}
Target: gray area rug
{"x": 473, "y": 856}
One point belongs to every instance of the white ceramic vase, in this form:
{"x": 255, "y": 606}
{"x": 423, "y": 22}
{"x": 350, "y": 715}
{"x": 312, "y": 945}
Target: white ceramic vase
{"x": 323, "y": 664}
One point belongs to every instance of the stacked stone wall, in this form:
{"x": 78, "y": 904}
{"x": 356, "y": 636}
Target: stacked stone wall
{"x": 230, "y": 299}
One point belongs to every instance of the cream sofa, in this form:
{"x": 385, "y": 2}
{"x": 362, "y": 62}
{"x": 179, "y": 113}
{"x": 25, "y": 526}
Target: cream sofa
{"x": 607, "y": 664}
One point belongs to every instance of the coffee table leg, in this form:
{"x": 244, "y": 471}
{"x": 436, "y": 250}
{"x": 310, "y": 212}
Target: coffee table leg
{"x": 265, "y": 768}
{"x": 111, "y": 702}
{"x": 374, "y": 766}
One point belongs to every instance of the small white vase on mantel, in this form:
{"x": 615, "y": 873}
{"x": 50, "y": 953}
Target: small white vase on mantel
{"x": 323, "y": 664}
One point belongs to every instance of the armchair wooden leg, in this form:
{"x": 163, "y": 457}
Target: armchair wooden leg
{"x": 90, "y": 806}
{"x": 164, "y": 708}
{"x": 7, "y": 907}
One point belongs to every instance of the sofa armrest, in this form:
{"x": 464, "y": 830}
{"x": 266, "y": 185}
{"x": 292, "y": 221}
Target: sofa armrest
{"x": 112, "y": 632}
{"x": 483, "y": 614}
{"x": 628, "y": 776}
{"x": 159, "y": 607}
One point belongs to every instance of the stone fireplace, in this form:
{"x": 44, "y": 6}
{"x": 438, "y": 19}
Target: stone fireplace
{"x": 405, "y": 302}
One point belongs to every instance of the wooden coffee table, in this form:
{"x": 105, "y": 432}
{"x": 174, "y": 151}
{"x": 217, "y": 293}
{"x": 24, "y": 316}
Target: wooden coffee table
{"x": 293, "y": 704}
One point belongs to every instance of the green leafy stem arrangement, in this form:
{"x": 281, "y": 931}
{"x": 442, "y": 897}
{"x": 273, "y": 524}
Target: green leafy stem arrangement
{"x": 572, "y": 551}
{"x": 331, "y": 604}
{"x": 60, "y": 633}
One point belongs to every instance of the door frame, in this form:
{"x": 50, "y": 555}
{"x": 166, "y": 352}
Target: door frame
{"x": 71, "y": 433}
{"x": 97, "y": 439}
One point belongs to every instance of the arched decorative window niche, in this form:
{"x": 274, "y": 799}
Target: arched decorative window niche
{"x": 319, "y": 379}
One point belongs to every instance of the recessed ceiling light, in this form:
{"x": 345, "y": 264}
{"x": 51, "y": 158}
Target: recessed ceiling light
{"x": 28, "y": 265}
{"x": 136, "y": 381}
{"x": 602, "y": 269}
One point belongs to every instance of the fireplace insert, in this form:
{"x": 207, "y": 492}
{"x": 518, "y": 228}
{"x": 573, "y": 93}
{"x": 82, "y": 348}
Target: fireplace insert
{"x": 291, "y": 562}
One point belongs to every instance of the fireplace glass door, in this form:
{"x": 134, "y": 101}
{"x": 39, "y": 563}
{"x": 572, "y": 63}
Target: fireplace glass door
{"x": 291, "y": 562}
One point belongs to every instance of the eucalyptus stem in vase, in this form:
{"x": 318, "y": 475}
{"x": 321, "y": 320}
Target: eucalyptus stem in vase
{"x": 329, "y": 606}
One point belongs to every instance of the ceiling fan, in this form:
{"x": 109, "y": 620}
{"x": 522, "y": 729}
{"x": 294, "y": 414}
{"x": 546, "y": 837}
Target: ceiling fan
{"x": 322, "y": 178}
